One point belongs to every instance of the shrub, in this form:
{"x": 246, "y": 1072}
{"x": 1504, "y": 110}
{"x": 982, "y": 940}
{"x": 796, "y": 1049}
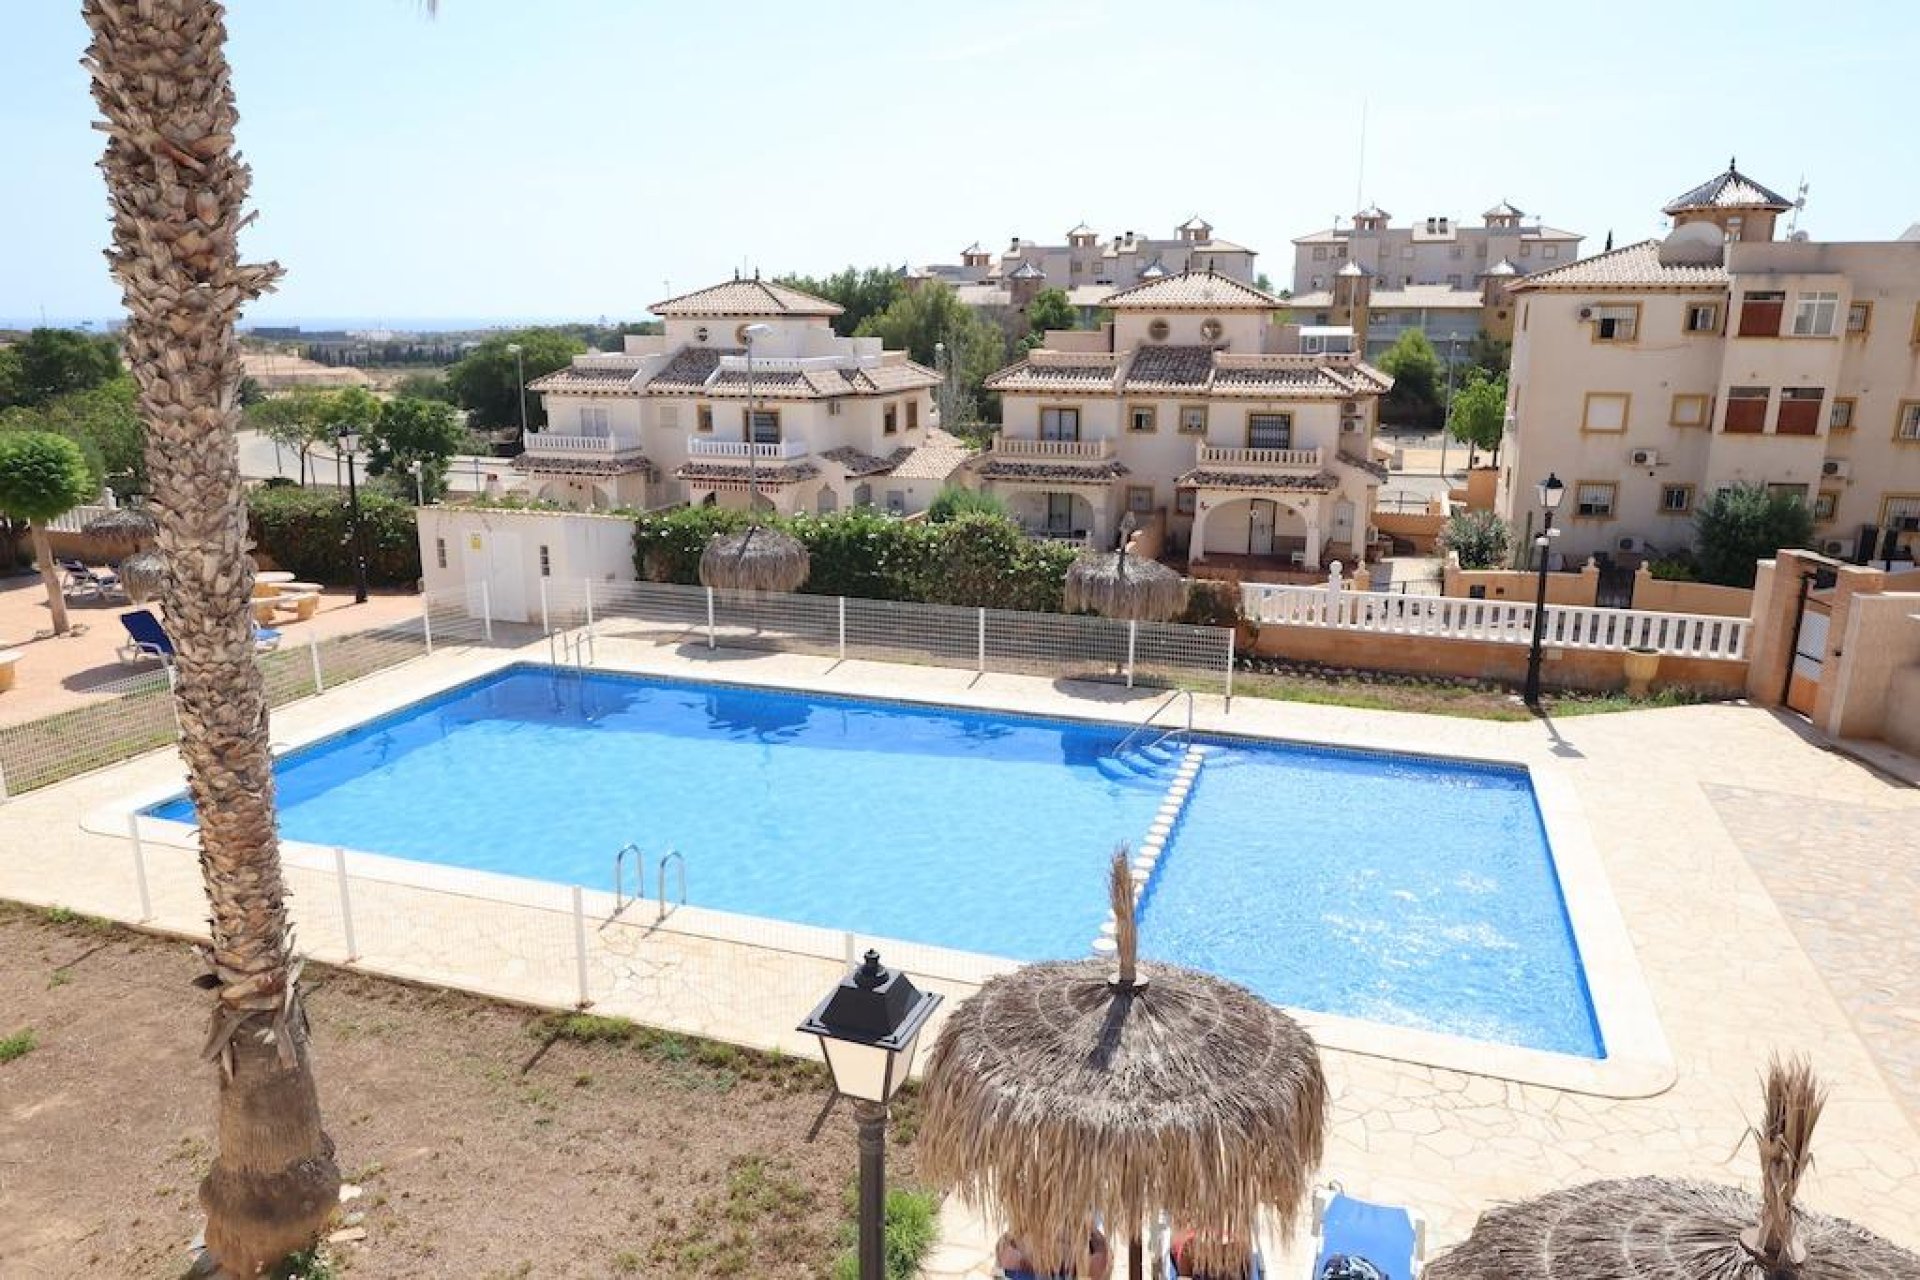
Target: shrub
{"x": 864, "y": 553}
{"x": 17, "y": 1045}
{"x": 1673, "y": 569}
{"x": 1212, "y": 603}
{"x": 1743, "y": 525}
{"x": 1480, "y": 538}
{"x": 307, "y": 531}
{"x": 667, "y": 547}
{"x": 984, "y": 561}
{"x": 912, "y": 1227}
{"x": 954, "y": 501}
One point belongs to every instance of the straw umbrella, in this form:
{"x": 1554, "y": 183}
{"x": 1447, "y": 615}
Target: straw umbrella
{"x": 1643, "y": 1228}
{"x": 1115, "y": 586}
{"x": 757, "y": 558}
{"x": 142, "y": 575}
{"x": 129, "y": 526}
{"x": 1066, "y": 1092}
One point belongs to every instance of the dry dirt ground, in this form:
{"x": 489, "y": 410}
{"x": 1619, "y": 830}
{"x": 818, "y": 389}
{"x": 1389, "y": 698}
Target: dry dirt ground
{"x": 481, "y": 1153}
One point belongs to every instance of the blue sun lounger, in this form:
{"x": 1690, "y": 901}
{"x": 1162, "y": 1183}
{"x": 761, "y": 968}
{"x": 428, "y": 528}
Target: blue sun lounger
{"x": 146, "y": 638}
{"x": 1392, "y": 1238}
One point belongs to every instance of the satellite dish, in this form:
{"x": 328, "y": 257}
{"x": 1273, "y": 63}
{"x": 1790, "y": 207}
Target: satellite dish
{"x": 1693, "y": 244}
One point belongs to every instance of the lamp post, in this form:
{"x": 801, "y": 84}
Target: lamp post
{"x": 869, "y": 1026}
{"x": 349, "y": 442}
{"x": 1551, "y": 492}
{"x": 752, "y": 334}
{"x": 419, "y": 469}
{"x": 520, "y": 381}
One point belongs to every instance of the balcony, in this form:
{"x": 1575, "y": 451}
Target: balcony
{"x": 1052, "y": 450}
{"x": 1281, "y": 461}
{"x": 551, "y": 442}
{"x": 740, "y": 450}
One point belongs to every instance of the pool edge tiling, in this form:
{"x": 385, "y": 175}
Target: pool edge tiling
{"x": 1637, "y": 1061}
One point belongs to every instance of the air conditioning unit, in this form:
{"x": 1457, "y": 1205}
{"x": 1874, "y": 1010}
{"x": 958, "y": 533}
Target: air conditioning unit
{"x": 1349, "y": 406}
{"x": 1644, "y": 457}
{"x": 1349, "y": 424}
{"x": 1833, "y": 547}
{"x": 1836, "y": 467}
{"x": 1628, "y": 543}
{"x": 1586, "y": 313}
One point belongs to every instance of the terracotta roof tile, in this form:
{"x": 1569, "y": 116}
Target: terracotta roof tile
{"x": 1088, "y": 374}
{"x": 1377, "y": 470}
{"x": 574, "y": 380}
{"x": 1170, "y": 368}
{"x": 1290, "y": 377}
{"x": 1729, "y": 190}
{"x": 1220, "y": 478}
{"x": 1634, "y": 266}
{"x": 939, "y": 457}
{"x": 1091, "y": 472}
{"x": 786, "y": 473}
{"x": 859, "y": 463}
{"x": 1193, "y": 291}
{"x": 746, "y": 298}
{"x": 886, "y": 379}
{"x": 547, "y": 464}
{"x": 688, "y": 370}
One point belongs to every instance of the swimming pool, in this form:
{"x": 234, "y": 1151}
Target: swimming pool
{"x": 1397, "y": 889}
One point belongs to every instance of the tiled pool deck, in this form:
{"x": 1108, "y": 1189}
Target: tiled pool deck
{"x": 1767, "y": 888}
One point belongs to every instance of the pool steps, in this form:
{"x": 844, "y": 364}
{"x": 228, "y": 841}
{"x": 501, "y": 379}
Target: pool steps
{"x": 1147, "y": 857}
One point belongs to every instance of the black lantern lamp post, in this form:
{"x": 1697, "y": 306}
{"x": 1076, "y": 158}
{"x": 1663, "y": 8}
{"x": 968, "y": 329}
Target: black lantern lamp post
{"x": 869, "y": 1026}
{"x": 1551, "y": 492}
{"x": 349, "y": 442}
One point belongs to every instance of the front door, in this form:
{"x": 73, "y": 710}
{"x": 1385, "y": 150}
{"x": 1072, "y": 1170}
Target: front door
{"x": 1343, "y": 524}
{"x": 1809, "y": 656}
{"x": 1060, "y": 514}
{"x": 1260, "y": 528}
{"x": 494, "y": 559}
{"x": 1059, "y": 424}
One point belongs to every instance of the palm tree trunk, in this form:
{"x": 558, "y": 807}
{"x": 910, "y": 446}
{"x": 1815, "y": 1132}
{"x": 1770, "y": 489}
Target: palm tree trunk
{"x": 177, "y": 187}
{"x": 49, "y": 574}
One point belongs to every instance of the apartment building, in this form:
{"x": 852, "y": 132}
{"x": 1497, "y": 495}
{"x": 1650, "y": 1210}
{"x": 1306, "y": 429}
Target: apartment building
{"x": 1435, "y": 251}
{"x": 1251, "y": 440}
{"x": 1088, "y": 267}
{"x": 1648, "y": 377}
{"x": 840, "y": 421}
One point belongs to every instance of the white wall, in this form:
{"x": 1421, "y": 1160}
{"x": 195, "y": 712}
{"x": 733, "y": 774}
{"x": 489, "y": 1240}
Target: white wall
{"x": 503, "y": 548}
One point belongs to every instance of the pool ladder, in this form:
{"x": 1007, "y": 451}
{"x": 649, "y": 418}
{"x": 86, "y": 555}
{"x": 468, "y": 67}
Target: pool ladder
{"x": 572, "y": 655}
{"x": 672, "y": 857}
{"x": 1147, "y": 725}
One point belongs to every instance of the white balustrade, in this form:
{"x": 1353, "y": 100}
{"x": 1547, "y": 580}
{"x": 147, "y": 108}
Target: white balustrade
{"x": 1308, "y": 460}
{"x": 1687, "y": 635}
{"x": 554, "y": 442}
{"x": 740, "y": 450}
{"x": 1052, "y": 450}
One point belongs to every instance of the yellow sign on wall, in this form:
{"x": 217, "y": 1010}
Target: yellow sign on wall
{"x": 473, "y": 542}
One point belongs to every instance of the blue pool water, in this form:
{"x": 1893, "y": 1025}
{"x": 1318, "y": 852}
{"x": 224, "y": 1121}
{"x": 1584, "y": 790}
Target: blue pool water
{"x": 1390, "y": 888}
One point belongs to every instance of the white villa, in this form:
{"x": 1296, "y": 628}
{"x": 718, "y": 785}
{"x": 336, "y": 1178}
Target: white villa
{"x": 841, "y": 421}
{"x": 1087, "y": 267}
{"x": 1248, "y": 443}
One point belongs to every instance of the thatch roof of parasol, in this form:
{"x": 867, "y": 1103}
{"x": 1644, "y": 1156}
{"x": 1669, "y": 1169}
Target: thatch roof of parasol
{"x": 755, "y": 559}
{"x": 142, "y": 574}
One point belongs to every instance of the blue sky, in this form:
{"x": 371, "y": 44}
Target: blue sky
{"x": 583, "y": 157}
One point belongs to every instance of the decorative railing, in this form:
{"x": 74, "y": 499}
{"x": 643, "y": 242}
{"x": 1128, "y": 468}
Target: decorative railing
{"x": 1052, "y": 450}
{"x": 1686, "y": 635}
{"x": 1306, "y": 460}
{"x": 740, "y": 450}
{"x": 553, "y": 442}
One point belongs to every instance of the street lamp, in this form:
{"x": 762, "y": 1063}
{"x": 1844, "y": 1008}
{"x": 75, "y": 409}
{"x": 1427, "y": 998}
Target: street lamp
{"x": 1551, "y": 491}
{"x": 520, "y": 381}
{"x": 869, "y": 1026}
{"x": 349, "y": 442}
{"x": 419, "y": 469}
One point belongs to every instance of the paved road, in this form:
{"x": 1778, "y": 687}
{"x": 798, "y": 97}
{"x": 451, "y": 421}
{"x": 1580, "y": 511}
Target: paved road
{"x": 261, "y": 459}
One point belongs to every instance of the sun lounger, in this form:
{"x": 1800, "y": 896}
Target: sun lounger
{"x": 146, "y": 638}
{"x": 1393, "y": 1239}
{"x": 1255, "y": 1265}
{"x": 81, "y": 580}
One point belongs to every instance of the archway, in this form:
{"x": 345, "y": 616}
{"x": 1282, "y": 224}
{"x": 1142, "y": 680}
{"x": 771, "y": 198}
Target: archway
{"x": 1255, "y": 528}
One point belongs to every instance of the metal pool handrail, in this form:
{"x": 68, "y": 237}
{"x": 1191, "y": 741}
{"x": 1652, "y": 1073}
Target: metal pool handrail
{"x": 680, "y": 863}
{"x": 1153, "y": 715}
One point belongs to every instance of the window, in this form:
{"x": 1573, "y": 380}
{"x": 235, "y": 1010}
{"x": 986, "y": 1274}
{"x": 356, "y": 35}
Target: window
{"x": 1798, "y": 492}
{"x": 1676, "y": 499}
{"x": 1453, "y": 281}
{"x": 1824, "y": 505}
{"x": 1617, "y": 323}
{"x": 889, "y": 418}
{"x": 1339, "y": 252}
{"x": 1703, "y": 317}
{"x": 546, "y": 561}
{"x": 1840, "y": 417}
{"x": 1760, "y": 314}
{"x": 1897, "y": 510}
{"x": 1140, "y": 417}
{"x": 1193, "y": 419}
{"x": 1859, "y": 317}
{"x": 1747, "y": 409}
{"x": 833, "y": 408}
{"x": 440, "y": 552}
{"x": 896, "y": 502}
{"x": 1320, "y": 253}
{"x": 1800, "y": 411}
{"x": 1316, "y": 283}
{"x": 670, "y": 416}
{"x": 1269, "y": 431}
{"x": 1526, "y": 250}
{"x": 1059, "y": 424}
{"x": 913, "y": 415}
{"x": 1185, "y": 501}
{"x": 593, "y": 420}
{"x": 1549, "y": 250}
{"x": 1594, "y": 499}
{"x": 765, "y": 425}
{"x": 1140, "y": 498}
{"x": 1059, "y": 513}
{"x": 703, "y": 418}
{"x": 1605, "y": 411}
{"x": 1813, "y": 314}
{"x": 1689, "y": 411}
{"x": 1908, "y": 427}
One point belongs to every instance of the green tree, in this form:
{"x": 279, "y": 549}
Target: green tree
{"x": 1263, "y": 283}
{"x": 860, "y": 292}
{"x": 1480, "y": 538}
{"x": 249, "y": 393}
{"x": 487, "y": 380}
{"x": 1415, "y": 398}
{"x": 952, "y": 502}
{"x": 1050, "y": 309}
{"x": 1490, "y": 354}
{"x": 294, "y": 420}
{"x": 1479, "y": 416}
{"x": 409, "y": 431}
{"x": 9, "y": 376}
{"x": 1740, "y": 526}
{"x": 43, "y": 475}
{"x": 933, "y": 313}
{"x": 104, "y": 422}
{"x": 425, "y": 386}
{"x": 55, "y": 362}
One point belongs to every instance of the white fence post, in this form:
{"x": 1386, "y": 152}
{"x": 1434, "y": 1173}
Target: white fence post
{"x": 843, "y": 628}
{"x": 1233, "y": 638}
{"x": 313, "y": 653}
{"x": 140, "y": 867}
{"x": 3, "y": 783}
{"x": 346, "y": 903}
{"x": 580, "y": 943}
{"x": 486, "y": 608}
{"x": 173, "y": 697}
{"x": 546, "y": 627}
{"x": 589, "y": 582}
{"x": 983, "y": 641}
{"x": 850, "y": 945}
{"x": 426, "y": 619}
{"x": 709, "y": 619}
{"x": 1133, "y": 640}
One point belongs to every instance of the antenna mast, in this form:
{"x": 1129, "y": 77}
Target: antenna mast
{"x": 1799, "y": 203}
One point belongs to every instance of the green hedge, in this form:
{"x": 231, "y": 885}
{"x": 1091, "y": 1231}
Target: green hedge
{"x": 306, "y": 531}
{"x": 975, "y": 559}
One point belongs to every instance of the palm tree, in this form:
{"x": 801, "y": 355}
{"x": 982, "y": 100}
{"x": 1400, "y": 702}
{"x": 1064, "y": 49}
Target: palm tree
{"x": 176, "y": 185}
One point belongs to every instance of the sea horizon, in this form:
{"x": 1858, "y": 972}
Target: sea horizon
{"x": 325, "y": 324}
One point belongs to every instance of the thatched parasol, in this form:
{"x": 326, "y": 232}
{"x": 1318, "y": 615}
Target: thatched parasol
{"x": 133, "y": 525}
{"x": 1064, "y": 1092}
{"x": 1643, "y": 1228}
{"x": 1114, "y": 585}
{"x": 142, "y": 574}
{"x": 755, "y": 559}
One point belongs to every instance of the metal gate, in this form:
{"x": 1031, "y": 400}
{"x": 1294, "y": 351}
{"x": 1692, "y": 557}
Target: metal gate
{"x": 1615, "y": 588}
{"x": 1809, "y": 656}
